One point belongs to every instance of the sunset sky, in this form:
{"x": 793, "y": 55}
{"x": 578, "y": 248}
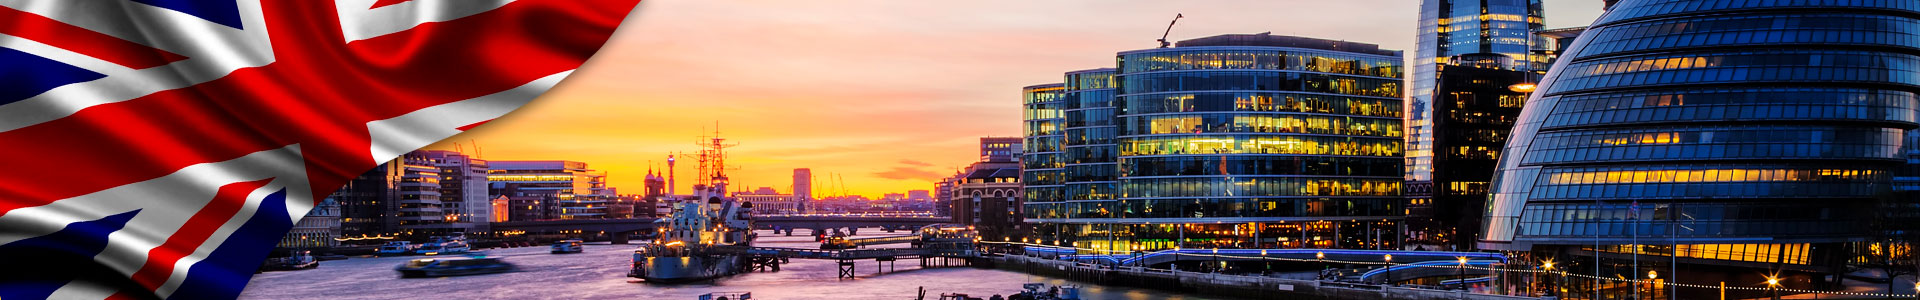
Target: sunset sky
{"x": 890, "y": 95}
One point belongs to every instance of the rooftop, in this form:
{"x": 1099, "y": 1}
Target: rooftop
{"x": 1267, "y": 39}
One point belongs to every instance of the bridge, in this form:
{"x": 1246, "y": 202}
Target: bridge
{"x": 622, "y": 230}
{"x": 851, "y": 223}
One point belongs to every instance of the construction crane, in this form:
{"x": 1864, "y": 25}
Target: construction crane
{"x": 1163, "y": 35}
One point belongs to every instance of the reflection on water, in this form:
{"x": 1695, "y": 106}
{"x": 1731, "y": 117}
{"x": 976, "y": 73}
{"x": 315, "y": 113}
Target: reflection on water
{"x": 600, "y": 273}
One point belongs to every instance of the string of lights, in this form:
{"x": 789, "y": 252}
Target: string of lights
{"x": 1773, "y": 283}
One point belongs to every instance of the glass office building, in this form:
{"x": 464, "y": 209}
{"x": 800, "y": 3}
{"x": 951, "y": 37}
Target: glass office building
{"x": 1451, "y": 28}
{"x": 1487, "y": 34}
{"x": 1755, "y": 134}
{"x": 1042, "y": 163}
{"x": 1244, "y": 141}
{"x": 1476, "y": 104}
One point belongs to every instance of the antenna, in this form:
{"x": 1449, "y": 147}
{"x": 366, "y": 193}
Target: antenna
{"x": 476, "y": 148}
{"x": 1163, "y": 35}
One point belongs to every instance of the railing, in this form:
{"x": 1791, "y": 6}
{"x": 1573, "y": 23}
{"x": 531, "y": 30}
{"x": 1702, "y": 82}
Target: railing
{"x": 879, "y": 214}
{"x": 847, "y": 254}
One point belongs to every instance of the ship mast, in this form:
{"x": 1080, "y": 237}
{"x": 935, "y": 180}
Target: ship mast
{"x": 713, "y": 158}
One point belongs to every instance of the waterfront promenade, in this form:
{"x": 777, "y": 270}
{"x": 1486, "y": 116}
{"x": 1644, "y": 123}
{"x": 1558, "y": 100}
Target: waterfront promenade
{"x": 1237, "y": 286}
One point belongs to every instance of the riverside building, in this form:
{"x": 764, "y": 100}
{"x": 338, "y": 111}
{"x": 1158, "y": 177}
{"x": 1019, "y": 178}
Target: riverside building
{"x": 1720, "y": 141}
{"x": 1236, "y": 141}
{"x": 1458, "y": 33}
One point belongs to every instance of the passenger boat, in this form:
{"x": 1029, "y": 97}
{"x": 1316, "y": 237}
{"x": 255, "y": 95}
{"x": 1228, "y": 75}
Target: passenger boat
{"x": 455, "y": 244}
{"x": 568, "y": 246}
{"x": 452, "y": 266}
{"x": 396, "y": 248}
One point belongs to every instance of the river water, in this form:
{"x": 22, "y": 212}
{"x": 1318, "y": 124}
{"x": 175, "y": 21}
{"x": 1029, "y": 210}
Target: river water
{"x": 600, "y": 273}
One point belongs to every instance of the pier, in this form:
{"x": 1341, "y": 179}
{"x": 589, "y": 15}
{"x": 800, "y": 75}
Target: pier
{"x": 934, "y": 246}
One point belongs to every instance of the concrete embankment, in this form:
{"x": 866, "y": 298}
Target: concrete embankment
{"x": 1238, "y": 286}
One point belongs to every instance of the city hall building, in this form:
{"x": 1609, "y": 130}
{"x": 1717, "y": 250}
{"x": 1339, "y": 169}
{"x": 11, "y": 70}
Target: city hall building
{"x": 1723, "y": 141}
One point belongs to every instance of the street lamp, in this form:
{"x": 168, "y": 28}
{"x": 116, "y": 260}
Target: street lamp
{"x": 1463, "y": 272}
{"x": 1389, "y": 269}
{"x": 1651, "y": 276}
{"x": 1322, "y": 256}
{"x": 1548, "y": 265}
{"x": 1773, "y": 284}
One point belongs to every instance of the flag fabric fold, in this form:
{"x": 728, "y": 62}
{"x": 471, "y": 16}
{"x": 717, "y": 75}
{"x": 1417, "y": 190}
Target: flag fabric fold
{"x": 159, "y": 149}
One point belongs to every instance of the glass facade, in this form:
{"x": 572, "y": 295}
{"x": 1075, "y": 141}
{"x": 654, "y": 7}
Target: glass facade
{"x": 1450, "y": 28}
{"x": 1090, "y": 173}
{"x": 1475, "y": 108}
{"x": 1224, "y": 142}
{"x": 1043, "y": 161}
{"x": 1735, "y": 131}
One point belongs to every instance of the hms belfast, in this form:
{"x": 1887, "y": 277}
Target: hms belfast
{"x": 698, "y": 228}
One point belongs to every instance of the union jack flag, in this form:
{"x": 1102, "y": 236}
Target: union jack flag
{"x": 160, "y": 148}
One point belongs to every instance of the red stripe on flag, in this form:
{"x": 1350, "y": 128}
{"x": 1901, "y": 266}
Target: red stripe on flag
{"x": 471, "y": 126}
{"x": 319, "y": 93}
{"x": 386, "y": 3}
{"x": 226, "y": 203}
{"x": 80, "y": 40}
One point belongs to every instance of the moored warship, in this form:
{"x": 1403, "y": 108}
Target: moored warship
{"x": 688, "y": 249}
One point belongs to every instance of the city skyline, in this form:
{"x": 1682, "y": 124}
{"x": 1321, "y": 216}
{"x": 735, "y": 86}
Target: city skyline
{"x": 885, "y": 82}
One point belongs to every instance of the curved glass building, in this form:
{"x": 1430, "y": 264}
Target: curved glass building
{"x": 1735, "y": 133}
{"x": 1256, "y": 141}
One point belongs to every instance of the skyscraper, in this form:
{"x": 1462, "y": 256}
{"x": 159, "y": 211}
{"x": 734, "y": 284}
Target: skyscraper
{"x": 1740, "y": 139}
{"x": 1450, "y": 28}
{"x": 802, "y": 188}
{"x": 1475, "y": 105}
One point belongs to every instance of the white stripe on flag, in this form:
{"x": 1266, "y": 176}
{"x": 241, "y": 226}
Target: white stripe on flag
{"x": 165, "y": 204}
{"x": 392, "y": 137}
{"x": 212, "y": 52}
{"x": 359, "y": 23}
{"x": 246, "y": 213}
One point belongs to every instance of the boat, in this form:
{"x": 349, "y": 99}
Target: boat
{"x": 452, "y": 266}
{"x": 1040, "y": 291}
{"x": 727, "y": 296}
{"x": 396, "y": 248}
{"x": 836, "y": 243}
{"x": 290, "y": 260}
{"x": 694, "y": 245}
{"x": 454, "y": 244}
{"x": 568, "y": 246}
{"x": 703, "y": 237}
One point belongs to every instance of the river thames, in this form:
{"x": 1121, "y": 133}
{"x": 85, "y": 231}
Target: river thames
{"x": 600, "y": 273}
